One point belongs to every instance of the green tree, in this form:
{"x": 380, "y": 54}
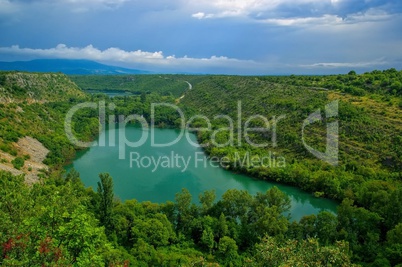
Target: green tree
{"x": 152, "y": 230}
{"x": 396, "y": 87}
{"x": 361, "y": 228}
{"x": 393, "y": 207}
{"x": 207, "y": 239}
{"x": 393, "y": 249}
{"x": 144, "y": 253}
{"x": 222, "y": 228}
{"x": 18, "y": 163}
{"x": 267, "y": 220}
{"x": 235, "y": 204}
{"x": 183, "y": 206}
{"x": 308, "y": 226}
{"x": 227, "y": 252}
{"x": 207, "y": 200}
{"x": 326, "y": 224}
{"x": 106, "y": 195}
{"x": 82, "y": 238}
{"x": 266, "y": 214}
{"x": 74, "y": 176}
{"x": 274, "y": 197}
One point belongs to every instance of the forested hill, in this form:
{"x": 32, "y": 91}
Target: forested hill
{"x": 37, "y": 87}
{"x": 32, "y": 111}
{"x": 370, "y": 128}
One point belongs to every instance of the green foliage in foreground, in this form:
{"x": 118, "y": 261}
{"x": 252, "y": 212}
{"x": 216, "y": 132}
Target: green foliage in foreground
{"x": 59, "y": 223}
{"x": 307, "y": 252}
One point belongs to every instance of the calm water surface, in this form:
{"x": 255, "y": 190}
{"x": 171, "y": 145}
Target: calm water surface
{"x": 139, "y": 175}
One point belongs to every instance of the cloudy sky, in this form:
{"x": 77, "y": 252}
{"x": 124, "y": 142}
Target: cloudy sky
{"x": 208, "y": 36}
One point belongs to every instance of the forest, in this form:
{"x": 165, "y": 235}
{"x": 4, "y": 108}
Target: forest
{"x": 58, "y": 221}
{"x": 161, "y": 84}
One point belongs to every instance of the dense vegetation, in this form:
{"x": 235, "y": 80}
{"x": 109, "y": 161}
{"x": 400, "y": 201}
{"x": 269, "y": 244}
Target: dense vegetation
{"x": 369, "y": 133}
{"x": 60, "y": 223}
{"x": 370, "y": 139}
{"x": 161, "y": 84}
{"x": 39, "y": 224}
{"x": 387, "y": 82}
{"x": 37, "y": 87}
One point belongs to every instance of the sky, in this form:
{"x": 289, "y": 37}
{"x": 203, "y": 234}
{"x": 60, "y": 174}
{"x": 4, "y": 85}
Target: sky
{"x": 263, "y": 37}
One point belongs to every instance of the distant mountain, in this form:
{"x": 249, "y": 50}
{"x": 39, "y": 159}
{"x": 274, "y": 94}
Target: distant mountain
{"x": 67, "y": 66}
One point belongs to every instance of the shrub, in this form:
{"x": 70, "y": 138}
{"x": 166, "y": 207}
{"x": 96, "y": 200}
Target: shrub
{"x": 18, "y": 163}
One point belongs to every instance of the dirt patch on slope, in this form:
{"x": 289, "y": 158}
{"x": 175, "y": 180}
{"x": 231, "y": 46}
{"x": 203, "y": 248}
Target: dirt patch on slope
{"x": 33, "y": 148}
{"x": 33, "y": 166}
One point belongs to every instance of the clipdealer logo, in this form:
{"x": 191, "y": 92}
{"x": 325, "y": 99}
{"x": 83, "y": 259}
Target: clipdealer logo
{"x": 236, "y": 136}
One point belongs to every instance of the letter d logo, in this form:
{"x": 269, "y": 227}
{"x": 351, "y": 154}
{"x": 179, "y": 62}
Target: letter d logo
{"x": 331, "y": 152}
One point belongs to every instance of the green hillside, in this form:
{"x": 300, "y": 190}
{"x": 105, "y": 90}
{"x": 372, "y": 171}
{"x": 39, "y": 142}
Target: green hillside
{"x": 37, "y": 87}
{"x": 162, "y": 84}
{"x": 35, "y": 105}
{"x": 370, "y": 130}
{"x": 370, "y": 137}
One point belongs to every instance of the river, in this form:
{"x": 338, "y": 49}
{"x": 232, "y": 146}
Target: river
{"x": 149, "y": 173}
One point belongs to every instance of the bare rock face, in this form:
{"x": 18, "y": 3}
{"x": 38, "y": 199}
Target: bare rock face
{"x": 33, "y": 148}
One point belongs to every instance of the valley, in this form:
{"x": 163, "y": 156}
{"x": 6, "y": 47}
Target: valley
{"x": 198, "y": 225}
